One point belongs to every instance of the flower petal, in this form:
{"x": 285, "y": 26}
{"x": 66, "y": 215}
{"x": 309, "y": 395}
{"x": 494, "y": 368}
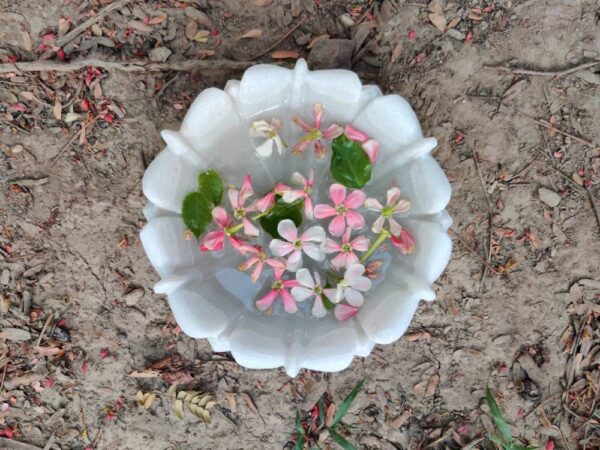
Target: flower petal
{"x": 280, "y": 248}
{"x": 257, "y": 271}
{"x": 395, "y": 227}
{"x": 213, "y": 241}
{"x": 338, "y": 225}
{"x": 362, "y": 284}
{"x": 332, "y": 246}
{"x": 289, "y": 304}
{"x": 318, "y": 310}
{"x": 308, "y": 208}
{"x": 220, "y": 217}
{"x": 393, "y": 195}
{"x": 279, "y": 145}
{"x": 344, "y": 312}
{"x": 304, "y": 277}
{"x": 294, "y": 261}
{"x": 276, "y": 264}
{"x": 355, "y": 220}
{"x": 355, "y": 199}
{"x": 246, "y": 190}
{"x": 371, "y": 148}
{"x": 337, "y": 193}
{"x": 249, "y": 228}
{"x": 298, "y": 179}
{"x": 266, "y": 202}
{"x": 267, "y": 301}
{"x": 300, "y": 147}
{"x": 316, "y": 252}
{"x": 332, "y": 295}
{"x": 355, "y": 135}
{"x": 301, "y": 293}
{"x": 234, "y": 198}
{"x": 287, "y": 229}
{"x": 293, "y": 195}
{"x": 301, "y": 123}
{"x": 402, "y": 207}
{"x": 339, "y": 261}
{"x": 332, "y": 131}
{"x": 378, "y": 224}
{"x": 313, "y": 234}
{"x": 351, "y": 258}
{"x": 353, "y": 297}
{"x": 372, "y": 204}
{"x": 361, "y": 243}
{"x": 317, "y": 115}
{"x": 265, "y": 149}
{"x": 319, "y": 150}
{"x": 353, "y": 272}
{"x": 404, "y": 242}
{"x": 322, "y": 211}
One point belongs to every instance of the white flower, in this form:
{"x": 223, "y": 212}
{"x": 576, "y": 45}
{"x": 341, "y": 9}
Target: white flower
{"x": 261, "y": 129}
{"x": 350, "y": 287}
{"x": 395, "y": 205}
{"x": 309, "y": 242}
{"x": 310, "y": 287}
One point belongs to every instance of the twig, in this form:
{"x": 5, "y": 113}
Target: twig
{"x": 279, "y": 41}
{"x": 489, "y": 211}
{"x": 11, "y": 444}
{"x": 44, "y": 328}
{"x": 594, "y": 207}
{"x": 550, "y": 127}
{"x": 88, "y": 23}
{"x": 547, "y": 73}
{"x": 3, "y": 376}
{"x": 587, "y": 424}
{"x": 83, "y": 129}
{"x": 468, "y": 247}
{"x": 124, "y": 66}
{"x": 97, "y": 438}
{"x": 167, "y": 84}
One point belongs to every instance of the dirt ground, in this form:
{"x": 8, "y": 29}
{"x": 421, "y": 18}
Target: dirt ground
{"x": 517, "y": 308}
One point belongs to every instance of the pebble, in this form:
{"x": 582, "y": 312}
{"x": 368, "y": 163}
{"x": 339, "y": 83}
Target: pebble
{"x": 198, "y": 16}
{"x": 549, "y": 197}
{"x": 5, "y": 277}
{"x": 133, "y": 297}
{"x": 159, "y": 54}
{"x": 331, "y": 54}
{"x": 455, "y": 34}
{"x": 15, "y": 334}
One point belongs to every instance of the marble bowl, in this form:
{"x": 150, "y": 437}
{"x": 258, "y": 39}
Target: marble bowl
{"x": 210, "y": 298}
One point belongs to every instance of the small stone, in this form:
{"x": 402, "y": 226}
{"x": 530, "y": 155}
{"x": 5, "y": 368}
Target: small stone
{"x": 198, "y": 16}
{"x": 159, "y": 54}
{"x": 15, "y": 334}
{"x": 5, "y": 277}
{"x": 7, "y": 96}
{"x": 331, "y": 54}
{"x": 347, "y": 21}
{"x": 133, "y": 297}
{"x": 302, "y": 38}
{"x": 455, "y": 34}
{"x": 549, "y": 197}
{"x": 296, "y": 8}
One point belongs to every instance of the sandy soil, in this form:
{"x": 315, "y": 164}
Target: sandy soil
{"x": 517, "y": 307}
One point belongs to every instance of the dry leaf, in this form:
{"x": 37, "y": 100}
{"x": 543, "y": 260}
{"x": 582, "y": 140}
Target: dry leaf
{"x": 160, "y": 18}
{"x": 57, "y": 110}
{"x": 97, "y": 90}
{"x": 254, "y": 33}
{"x": 329, "y": 415}
{"x": 201, "y": 54}
{"x": 63, "y": 26}
{"x": 72, "y": 117}
{"x": 401, "y": 419}
{"x": 250, "y": 402}
{"x": 263, "y": 2}
{"x": 432, "y": 385}
{"x": 419, "y": 388}
{"x": 178, "y": 409}
{"x": 201, "y": 36}
{"x": 27, "y": 95}
{"x": 396, "y": 53}
{"x": 285, "y": 54}
{"x": 438, "y": 20}
{"x": 140, "y": 26}
{"x": 417, "y": 336}
{"x": 314, "y": 40}
{"x": 27, "y": 44}
{"x": 455, "y": 21}
{"x": 230, "y": 396}
{"x": 191, "y": 29}
{"x": 504, "y": 232}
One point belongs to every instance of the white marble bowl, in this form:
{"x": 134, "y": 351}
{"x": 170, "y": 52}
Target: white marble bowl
{"x": 210, "y": 298}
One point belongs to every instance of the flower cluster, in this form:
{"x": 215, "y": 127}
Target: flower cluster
{"x": 335, "y": 244}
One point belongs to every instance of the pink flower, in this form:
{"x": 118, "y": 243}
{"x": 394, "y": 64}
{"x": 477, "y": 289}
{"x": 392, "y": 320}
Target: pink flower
{"x": 346, "y": 249}
{"x": 279, "y": 287}
{"x": 259, "y": 259}
{"x": 395, "y": 205}
{"x": 370, "y": 146}
{"x": 404, "y": 242}
{"x": 342, "y": 209}
{"x": 307, "y": 187}
{"x": 344, "y": 312}
{"x": 214, "y": 240}
{"x": 315, "y": 134}
{"x": 310, "y": 287}
{"x": 350, "y": 287}
{"x": 267, "y": 201}
{"x": 308, "y": 242}
{"x": 238, "y": 198}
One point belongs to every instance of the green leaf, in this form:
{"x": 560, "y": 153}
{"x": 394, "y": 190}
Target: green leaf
{"x": 299, "y": 443}
{"x": 498, "y": 418}
{"x": 496, "y": 440}
{"x": 340, "y": 440}
{"x": 345, "y": 406}
{"x": 196, "y": 212}
{"x": 211, "y": 185}
{"x": 350, "y": 164}
{"x": 328, "y": 304}
{"x": 279, "y": 212}
{"x": 321, "y": 404}
{"x": 299, "y": 427}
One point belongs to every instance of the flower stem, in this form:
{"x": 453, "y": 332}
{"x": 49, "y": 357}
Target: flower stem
{"x": 234, "y": 229}
{"x": 382, "y": 237}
